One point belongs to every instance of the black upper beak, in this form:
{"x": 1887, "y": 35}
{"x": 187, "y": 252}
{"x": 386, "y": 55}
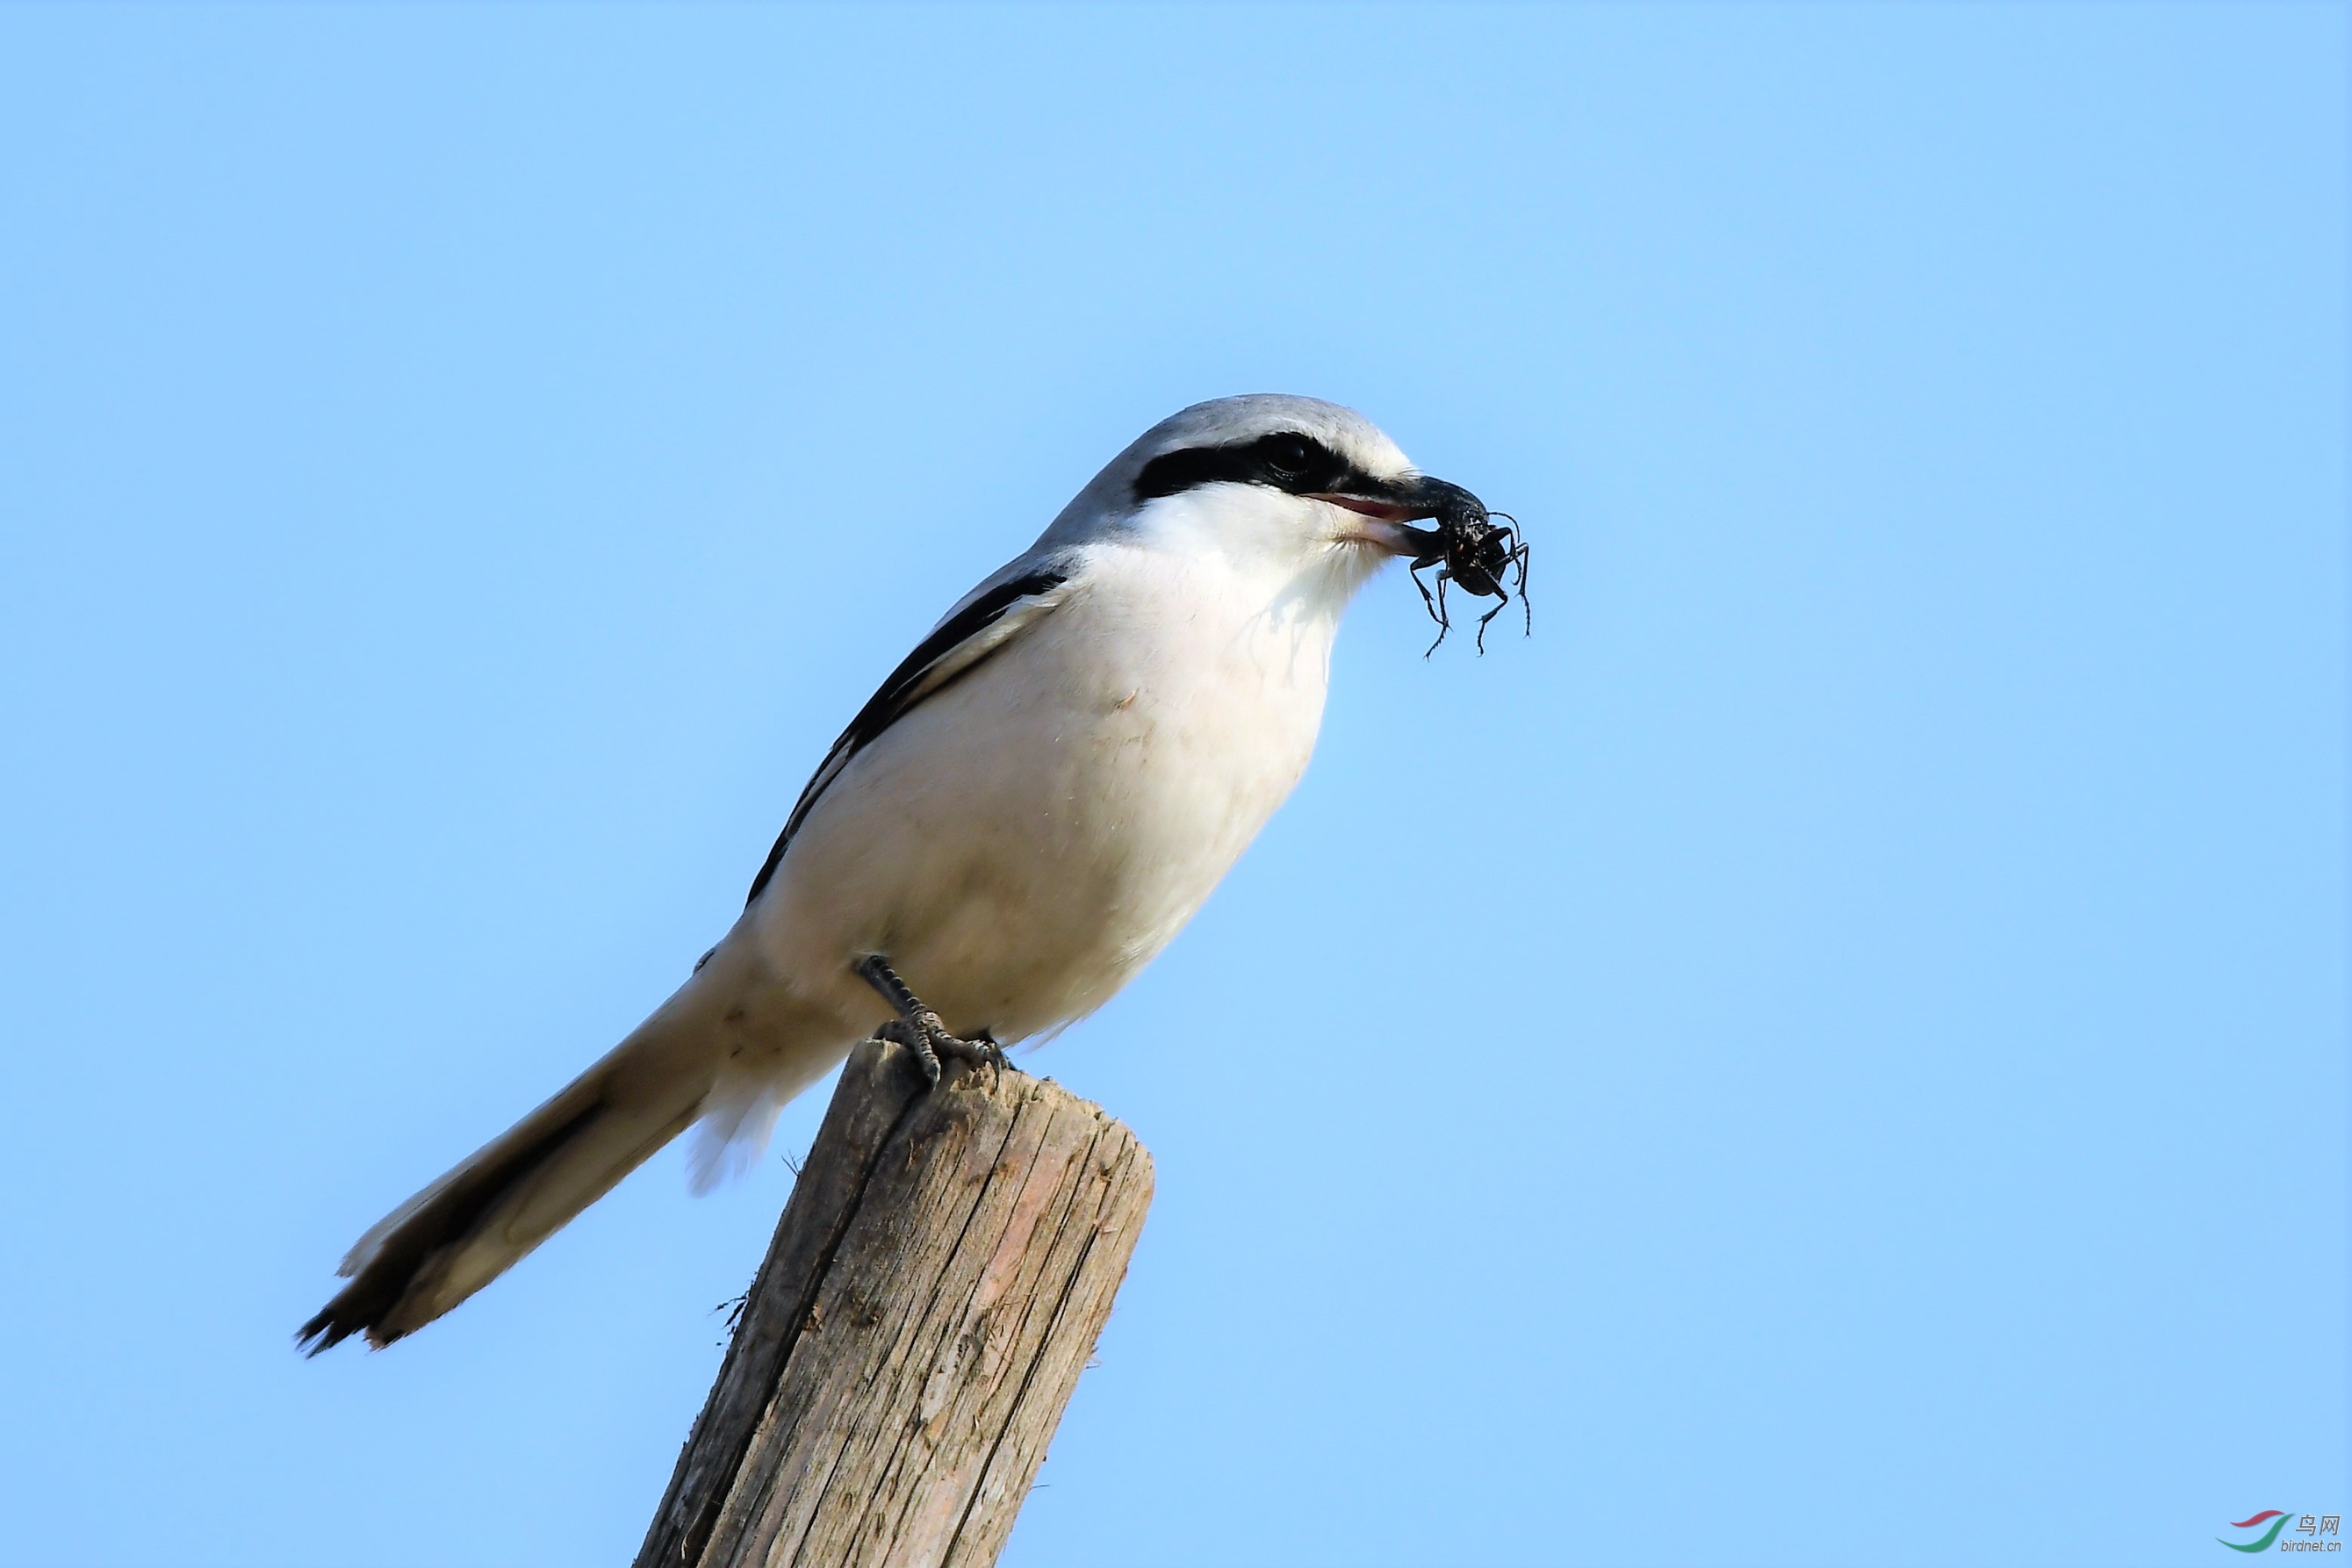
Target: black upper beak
{"x": 1402, "y": 502}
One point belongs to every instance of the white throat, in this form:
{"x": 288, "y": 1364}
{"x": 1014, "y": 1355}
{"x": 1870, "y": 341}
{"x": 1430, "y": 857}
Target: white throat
{"x": 1303, "y": 555}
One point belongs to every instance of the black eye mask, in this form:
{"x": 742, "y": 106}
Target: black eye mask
{"x": 1285, "y": 461}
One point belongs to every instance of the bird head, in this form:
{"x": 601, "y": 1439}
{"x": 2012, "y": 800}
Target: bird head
{"x": 1271, "y": 473}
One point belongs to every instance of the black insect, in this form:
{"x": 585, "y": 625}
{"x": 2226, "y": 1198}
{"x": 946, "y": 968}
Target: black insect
{"x": 1477, "y": 553}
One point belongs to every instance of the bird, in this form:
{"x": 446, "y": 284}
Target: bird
{"x": 1022, "y": 817}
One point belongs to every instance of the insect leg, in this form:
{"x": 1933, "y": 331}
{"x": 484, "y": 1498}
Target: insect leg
{"x": 1490, "y": 615}
{"x": 1443, "y": 625}
{"x": 1428, "y": 604}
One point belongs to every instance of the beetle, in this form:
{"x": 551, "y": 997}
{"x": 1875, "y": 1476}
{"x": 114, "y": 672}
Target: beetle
{"x": 1478, "y": 553}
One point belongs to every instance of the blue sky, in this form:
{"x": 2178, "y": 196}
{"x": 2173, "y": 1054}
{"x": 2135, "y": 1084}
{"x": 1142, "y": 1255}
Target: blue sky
{"x": 1833, "y": 1050}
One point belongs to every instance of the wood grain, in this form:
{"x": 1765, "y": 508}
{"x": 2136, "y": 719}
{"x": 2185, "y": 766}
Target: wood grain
{"x": 933, "y": 1293}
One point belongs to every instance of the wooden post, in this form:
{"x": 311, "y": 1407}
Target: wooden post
{"x": 932, "y": 1292}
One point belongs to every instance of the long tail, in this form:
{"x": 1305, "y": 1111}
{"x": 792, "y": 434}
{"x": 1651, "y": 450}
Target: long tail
{"x": 471, "y": 1225}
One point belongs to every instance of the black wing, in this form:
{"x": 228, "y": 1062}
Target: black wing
{"x": 963, "y": 642}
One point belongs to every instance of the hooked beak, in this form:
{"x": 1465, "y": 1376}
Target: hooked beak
{"x": 1390, "y": 510}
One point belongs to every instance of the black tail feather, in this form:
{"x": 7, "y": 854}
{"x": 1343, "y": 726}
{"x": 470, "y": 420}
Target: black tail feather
{"x": 369, "y": 1303}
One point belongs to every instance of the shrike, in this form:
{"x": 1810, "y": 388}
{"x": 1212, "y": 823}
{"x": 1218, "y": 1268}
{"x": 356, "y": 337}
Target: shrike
{"x": 1035, "y": 801}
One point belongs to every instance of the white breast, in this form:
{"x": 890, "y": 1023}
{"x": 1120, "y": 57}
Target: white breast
{"x": 1022, "y": 843}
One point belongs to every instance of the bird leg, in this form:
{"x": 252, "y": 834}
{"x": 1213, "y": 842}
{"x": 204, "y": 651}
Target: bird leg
{"x": 919, "y": 1028}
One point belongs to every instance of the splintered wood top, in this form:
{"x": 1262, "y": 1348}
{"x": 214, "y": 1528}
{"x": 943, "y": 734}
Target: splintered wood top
{"x": 932, "y": 1294}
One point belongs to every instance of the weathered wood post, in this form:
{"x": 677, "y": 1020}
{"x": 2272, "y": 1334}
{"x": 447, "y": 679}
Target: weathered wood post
{"x": 932, "y": 1292}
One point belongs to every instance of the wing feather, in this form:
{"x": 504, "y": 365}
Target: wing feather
{"x": 972, "y": 634}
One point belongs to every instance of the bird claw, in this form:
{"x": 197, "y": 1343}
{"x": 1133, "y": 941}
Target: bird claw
{"x": 919, "y": 1029}
{"x": 980, "y": 1051}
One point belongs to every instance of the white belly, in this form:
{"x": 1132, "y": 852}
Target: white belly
{"x": 1022, "y": 845}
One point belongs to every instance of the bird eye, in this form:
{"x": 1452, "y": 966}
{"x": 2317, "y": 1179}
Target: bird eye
{"x": 1288, "y": 456}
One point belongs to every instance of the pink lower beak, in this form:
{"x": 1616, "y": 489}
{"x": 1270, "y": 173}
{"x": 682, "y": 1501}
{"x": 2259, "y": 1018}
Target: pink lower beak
{"x": 1387, "y": 524}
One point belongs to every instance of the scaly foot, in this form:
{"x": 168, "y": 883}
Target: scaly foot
{"x": 919, "y": 1028}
